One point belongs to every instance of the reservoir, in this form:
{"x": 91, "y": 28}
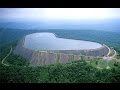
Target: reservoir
{"x": 49, "y": 41}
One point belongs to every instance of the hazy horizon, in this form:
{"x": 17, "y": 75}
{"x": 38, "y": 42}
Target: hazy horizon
{"x": 106, "y": 19}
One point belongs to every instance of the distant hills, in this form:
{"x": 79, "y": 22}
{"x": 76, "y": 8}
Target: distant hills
{"x": 104, "y": 25}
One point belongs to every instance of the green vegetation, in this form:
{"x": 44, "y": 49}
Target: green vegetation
{"x": 102, "y": 64}
{"x": 16, "y": 60}
{"x": 75, "y": 72}
{"x": 59, "y": 73}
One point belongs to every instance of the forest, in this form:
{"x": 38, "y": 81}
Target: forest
{"x": 74, "y": 72}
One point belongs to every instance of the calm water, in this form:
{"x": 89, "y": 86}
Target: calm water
{"x": 48, "y": 41}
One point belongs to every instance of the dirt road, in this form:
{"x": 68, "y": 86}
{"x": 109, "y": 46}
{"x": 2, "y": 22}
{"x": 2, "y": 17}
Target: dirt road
{"x": 6, "y": 57}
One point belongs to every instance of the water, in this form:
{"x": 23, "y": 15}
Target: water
{"x": 49, "y": 41}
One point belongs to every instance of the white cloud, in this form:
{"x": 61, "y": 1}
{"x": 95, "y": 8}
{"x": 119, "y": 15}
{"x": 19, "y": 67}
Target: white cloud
{"x": 46, "y": 14}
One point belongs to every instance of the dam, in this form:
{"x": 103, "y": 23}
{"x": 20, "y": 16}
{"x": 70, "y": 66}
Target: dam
{"x": 46, "y": 48}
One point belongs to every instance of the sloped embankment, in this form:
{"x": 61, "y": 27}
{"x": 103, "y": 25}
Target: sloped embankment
{"x": 54, "y": 56}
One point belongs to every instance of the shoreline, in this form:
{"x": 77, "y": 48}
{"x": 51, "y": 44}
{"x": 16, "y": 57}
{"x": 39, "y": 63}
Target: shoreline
{"x": 45, "y": 57}
{"x": 69, "y": 52}
{"x": 56, "y": 36}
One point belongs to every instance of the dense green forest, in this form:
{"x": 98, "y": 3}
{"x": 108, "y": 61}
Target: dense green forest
{"x": 75, "y": 72}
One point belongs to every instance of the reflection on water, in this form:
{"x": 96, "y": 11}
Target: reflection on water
{"x": 48, "y": 41}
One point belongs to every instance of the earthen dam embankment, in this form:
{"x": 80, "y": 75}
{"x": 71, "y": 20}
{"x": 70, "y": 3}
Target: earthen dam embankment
{"x": 45, "y": 57}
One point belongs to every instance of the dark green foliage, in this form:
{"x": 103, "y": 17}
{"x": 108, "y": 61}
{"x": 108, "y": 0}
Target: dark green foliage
{"x": 16, "y": 60}
{"x": 59, "y": 73}
{"x": 116, "y": 64}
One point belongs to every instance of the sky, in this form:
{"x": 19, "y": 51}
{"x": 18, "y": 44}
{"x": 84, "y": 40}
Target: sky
{"x": 59, "y": 14}
{"x": 63, "y": 18}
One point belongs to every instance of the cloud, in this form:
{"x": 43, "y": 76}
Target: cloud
{"x": 48, "y": 14}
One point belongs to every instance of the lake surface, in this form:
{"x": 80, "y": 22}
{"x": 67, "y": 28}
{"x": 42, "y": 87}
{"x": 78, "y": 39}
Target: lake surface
{"x": 49, "y": 41}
